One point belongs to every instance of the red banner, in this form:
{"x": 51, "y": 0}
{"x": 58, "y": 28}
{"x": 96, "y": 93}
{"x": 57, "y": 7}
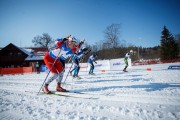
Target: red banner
{"x": 20, "y": 70}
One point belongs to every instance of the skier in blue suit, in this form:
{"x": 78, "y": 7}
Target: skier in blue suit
{"x": 76, "y": 59}
{"x": 90, "y": 62}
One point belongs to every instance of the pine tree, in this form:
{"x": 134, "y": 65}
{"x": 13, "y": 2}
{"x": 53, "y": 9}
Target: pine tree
{"x": 169, "y": 48}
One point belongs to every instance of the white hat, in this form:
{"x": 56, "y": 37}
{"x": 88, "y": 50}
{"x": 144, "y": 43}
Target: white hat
{"x": 72, "y": 39}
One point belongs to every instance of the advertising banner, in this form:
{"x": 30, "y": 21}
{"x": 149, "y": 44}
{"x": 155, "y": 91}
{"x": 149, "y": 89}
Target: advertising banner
{"x": 118, "y": 64}
{"x": 113, "y": 64}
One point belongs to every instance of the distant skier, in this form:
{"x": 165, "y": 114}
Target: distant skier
{"x": 76, "y": 59}
{"x": 127, "y": 56}
{"x": 90, "y": 62}
{"x": 37, "y": 68}
{"x": 64, "y": 49}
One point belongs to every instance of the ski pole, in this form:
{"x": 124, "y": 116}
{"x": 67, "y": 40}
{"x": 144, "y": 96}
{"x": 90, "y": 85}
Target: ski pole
{"x": 68, "y": 73}
{"x": 69, "y": 68}
{"x": 70, "y": 59}
{"x": 49, "y": 72}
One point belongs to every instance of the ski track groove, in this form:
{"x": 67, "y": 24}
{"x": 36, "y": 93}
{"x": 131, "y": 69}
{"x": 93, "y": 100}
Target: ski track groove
{"x": 141, "y": 98}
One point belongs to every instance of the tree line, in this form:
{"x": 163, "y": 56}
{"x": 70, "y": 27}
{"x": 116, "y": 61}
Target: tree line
{"x": 111, "y": 47}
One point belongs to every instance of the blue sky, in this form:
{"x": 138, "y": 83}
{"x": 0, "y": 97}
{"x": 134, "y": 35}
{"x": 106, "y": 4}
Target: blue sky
{"x": 141, "y": 20}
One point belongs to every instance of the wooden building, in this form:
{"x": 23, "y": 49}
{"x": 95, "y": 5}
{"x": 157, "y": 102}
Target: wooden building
{"x": 12, "y": 56}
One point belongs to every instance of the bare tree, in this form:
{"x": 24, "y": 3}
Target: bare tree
{"x": 112, "y": 35}
{"x": 42, "y": 41}
{"x": 106, "y": 45}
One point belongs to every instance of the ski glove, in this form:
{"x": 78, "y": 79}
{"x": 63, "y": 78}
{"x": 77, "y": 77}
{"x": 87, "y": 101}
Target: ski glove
{"x": 81, "y": 42}
{"x": 64, "y": 39}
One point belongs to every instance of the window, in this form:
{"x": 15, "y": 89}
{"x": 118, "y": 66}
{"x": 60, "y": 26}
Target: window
{"x": 19, "y": 53}
{"x": 10, "y": 53}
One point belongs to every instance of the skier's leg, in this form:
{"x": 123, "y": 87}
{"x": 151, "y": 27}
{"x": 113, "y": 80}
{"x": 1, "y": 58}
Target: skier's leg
{"x": 53, "y": 67}
{"x": 126, "y": 62}
{"x": 72, "y": 69}
{"x": 125, "y": 68}
{"x": 61, "y": 70}
{"x": 45, "y": 88}
{"x": 89, "y": 65}
{"x": 54, "y": 76}
{"x": 76, "y": 70}
{"x": 59, "y": 80}
{"x": 92, "y": 68}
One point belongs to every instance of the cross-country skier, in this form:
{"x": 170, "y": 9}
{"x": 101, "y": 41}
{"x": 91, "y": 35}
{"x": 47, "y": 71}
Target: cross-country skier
{"x": 90, "y": 62}
{"x": 76, "y": 58}
{"x": 64, "y": 49}
{"x": 127, "y": 56}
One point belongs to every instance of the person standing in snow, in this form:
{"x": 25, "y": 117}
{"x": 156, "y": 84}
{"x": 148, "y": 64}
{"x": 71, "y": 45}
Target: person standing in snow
{"x": 76, "y": 58}
{"x": 64, "y": 49}
{"x": 127, "y": 56}
{"x": 37, "y": 68}
{"x": 90, "y": 62}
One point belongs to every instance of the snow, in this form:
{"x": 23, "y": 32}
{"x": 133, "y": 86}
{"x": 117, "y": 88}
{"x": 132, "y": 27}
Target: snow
{"x": 112, "y": 95}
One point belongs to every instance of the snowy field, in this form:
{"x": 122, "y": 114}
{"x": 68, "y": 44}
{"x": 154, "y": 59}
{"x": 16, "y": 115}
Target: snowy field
{"x": 113, "y": 95}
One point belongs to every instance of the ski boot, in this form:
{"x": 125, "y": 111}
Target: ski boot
{"x": 125, "y": 70}
{"x": 60, "y": 89}
{"x": 78, "y": 77}
{"x": 46, "y": 90}
{"x": 91, "y": 73}
{"x": 70, "y": 73}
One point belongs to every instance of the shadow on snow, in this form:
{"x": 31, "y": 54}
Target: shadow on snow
{"x": 113, "y": 80}
{"x": 149, "y": 87}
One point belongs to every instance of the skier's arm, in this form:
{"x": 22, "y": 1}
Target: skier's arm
{"x": 94, "y": 60}
{"x": 59, "y": 43}
{"x": 78, "y": 46}
{"x": 87, "y": 52}
{"x": 81, "y": 42}
{"x": 79, "y": 57}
